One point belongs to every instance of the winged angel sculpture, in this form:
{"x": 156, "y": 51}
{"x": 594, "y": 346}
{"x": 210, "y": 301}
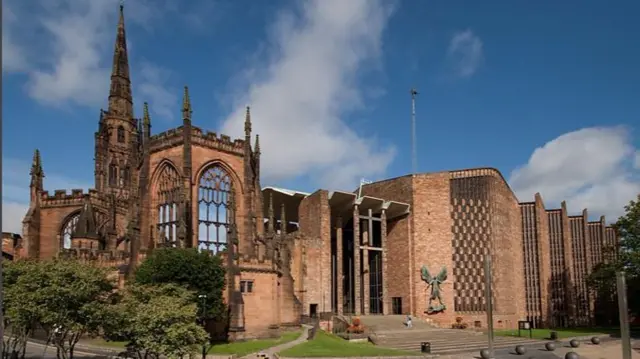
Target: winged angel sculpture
{"x": 434, "y": 283}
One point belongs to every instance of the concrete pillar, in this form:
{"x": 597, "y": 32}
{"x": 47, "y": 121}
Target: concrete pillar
{"x": 357, "y": 283}
{"x": 339, "y": 270}
{"x": 569, "y": 275}
{"x": 386, "y": 301}
{"x": 365, "y": 276}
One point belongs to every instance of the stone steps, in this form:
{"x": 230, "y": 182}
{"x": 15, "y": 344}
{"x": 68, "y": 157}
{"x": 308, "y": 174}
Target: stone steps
{"x": 447, "y": 343}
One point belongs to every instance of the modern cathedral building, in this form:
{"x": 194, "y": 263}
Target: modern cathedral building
{"x": 291, "y": 254}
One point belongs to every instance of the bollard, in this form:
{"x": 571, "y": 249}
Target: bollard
{"x": 571, "y": 355}
{"x": 595, "y": 340}
{"x": 554, "y": 335}
{"x": 485, "y": 354}
{"x": 574, "y": 343}
{"x": 550, "y": 346}
{"x": 425, "y": 347}
{"x": 520, "y": 349}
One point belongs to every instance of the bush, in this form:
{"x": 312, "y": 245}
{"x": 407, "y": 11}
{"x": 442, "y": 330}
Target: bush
{"x": 157, "y": 321}
{"x": 356, "y": 326}
{"x": 459, "y": 324}
{"x": 199, "y": 272}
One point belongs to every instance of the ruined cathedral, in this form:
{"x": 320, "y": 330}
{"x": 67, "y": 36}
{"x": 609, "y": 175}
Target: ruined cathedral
{"x": 291, "y": 254}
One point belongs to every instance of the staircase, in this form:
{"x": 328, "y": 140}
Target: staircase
{"x": 391, "y": 332}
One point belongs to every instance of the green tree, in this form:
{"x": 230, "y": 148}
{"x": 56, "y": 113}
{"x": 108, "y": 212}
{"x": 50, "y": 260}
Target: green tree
{"x": 19, "y": 317}
{"x": 157, "y": 320}
{"x": 602, "y": 280}
{"x": 68, "y": 299}
{"x": 198, "y": 272}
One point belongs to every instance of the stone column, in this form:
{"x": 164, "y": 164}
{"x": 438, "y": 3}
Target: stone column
{"x": 339, "y": 270}
{"x": 357, "y": 273}
{"x": 569, "y": 275}
{"x": 386, "y": 301}
{"x": 365, "y": 274}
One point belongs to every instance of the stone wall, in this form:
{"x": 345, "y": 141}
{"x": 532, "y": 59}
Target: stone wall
{"x": 315, "y": 229}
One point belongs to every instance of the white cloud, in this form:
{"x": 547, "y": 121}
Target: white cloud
{"x": 12, "y": 216}
{"x": 590, "y": 168}
{"x": 154, "y": 90}
{"x": 309, "y": 84}
{"x": 15, "y": 191}
{"x": 13, "y": 58}
{"x": 465, "y": 53}
{"x": 71, "y": 42}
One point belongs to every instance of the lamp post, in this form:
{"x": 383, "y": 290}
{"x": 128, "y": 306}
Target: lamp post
{"x": 203, "y": 298}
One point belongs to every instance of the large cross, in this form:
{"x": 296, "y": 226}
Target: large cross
{"x": 370, "y": 219}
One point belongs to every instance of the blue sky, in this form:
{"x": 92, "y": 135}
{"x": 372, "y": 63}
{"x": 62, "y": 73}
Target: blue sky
{"x": 547, "y": 92}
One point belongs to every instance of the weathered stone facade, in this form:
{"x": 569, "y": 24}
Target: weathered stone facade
{"x": 289, "y": 253}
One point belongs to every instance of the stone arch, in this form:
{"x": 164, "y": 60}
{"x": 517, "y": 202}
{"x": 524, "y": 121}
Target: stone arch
{"x": 215, "y": 182}
{"x": 166, "y": 194}
{"x": 67, "y": 227}
{"x": 70, "y": 221}
{"x": 237, "y": 182}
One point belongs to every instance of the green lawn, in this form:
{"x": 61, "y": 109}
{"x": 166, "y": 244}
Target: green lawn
{"x": 328, "y": 345}
{"x": 563, "y": 333}
{"x": 253, "y": 346}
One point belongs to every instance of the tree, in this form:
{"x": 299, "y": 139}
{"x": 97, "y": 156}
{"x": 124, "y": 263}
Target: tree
{"x": 157, "y": 320}
{"x": 602, "y": 280}
{"x": 68, "y": 299}
{"x": 199, "y": 272}
{"x": 19, "y": 317}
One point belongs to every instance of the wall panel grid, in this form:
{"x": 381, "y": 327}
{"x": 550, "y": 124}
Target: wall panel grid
{"x": 580, "y": 269}
{"x": 531, "y": 261}
{"x": 471, "y": 240}
{"x": 557, "y": 292}
{"x": 597, "y": 242}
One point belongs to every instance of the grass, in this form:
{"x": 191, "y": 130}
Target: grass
{"x": 563, "y": 333}
{"x": 253, "y": 346}
{"x": 328, "y": 345}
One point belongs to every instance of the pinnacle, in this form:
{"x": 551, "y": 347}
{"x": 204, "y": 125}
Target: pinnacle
{"x": 186, "y": 104}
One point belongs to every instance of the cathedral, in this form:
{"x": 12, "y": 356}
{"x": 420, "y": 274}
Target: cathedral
{"x": 291, "y": 254}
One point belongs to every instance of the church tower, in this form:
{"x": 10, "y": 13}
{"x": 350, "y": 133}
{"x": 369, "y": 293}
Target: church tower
{"x": 117, "y": 140}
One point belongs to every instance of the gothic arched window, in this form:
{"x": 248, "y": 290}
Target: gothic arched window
{"x": 168, "y": 196}
{"x": 67, "y": 230}
{"x": 214, "y": 188}
{"x": 126, "y": 175}
{"x": 120, "y": 134}
{"x": 113, "y": 174}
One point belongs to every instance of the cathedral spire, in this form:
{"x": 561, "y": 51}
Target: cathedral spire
{"x": 120, "y": 100}
{"x": 186, "y": 104}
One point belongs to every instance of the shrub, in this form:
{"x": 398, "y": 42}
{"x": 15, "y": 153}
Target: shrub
{"x": 459, "y": 324}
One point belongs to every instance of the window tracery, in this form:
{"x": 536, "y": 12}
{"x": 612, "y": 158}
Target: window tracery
{"x": 67, "y": 230}
{"x": 214, "y": 188}
{"x": 69, "y": 227}
{"x": 168, "y": 197}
